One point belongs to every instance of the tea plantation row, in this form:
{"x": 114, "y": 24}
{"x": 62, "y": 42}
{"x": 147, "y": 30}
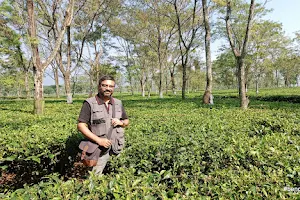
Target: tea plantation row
{"x": 175, "y": 150}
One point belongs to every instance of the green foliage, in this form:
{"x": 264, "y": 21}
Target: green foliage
{"x": 49, "y": 89}
{"x": 13, "y": 63}
{"x": 80, "y": 84}
{"x": 225, "y": 70}
{"x": 175, "y": 149}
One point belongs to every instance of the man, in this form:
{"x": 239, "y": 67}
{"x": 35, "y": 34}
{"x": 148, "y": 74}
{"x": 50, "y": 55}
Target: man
{"x": 98, "y": 115}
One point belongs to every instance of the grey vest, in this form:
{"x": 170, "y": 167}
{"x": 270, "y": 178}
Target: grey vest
{"x": 101, "y": 122}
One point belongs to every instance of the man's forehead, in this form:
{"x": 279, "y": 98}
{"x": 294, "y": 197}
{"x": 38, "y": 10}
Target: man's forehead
{"x": 110, "y": 82}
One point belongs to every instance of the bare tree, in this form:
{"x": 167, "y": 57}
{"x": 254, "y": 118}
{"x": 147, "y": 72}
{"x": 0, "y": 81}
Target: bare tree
{"x": 207, "y": 97}
{"x": 127, "y": 47}
{"x": 240, "y": 51}
{"x": 172, "y": 68}
{"x": 38, "y": 66}
{"x": 186, "y": 40}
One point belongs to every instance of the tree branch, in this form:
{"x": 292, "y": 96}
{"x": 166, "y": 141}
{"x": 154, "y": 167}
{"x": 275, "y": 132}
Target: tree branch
{"x": 228, "y": 29}
{"x": 67, "y": 22}
{"x": 250, "y": 17}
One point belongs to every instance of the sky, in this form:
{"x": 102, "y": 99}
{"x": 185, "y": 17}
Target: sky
{"x": 284, "y": 11}
{"x": 287, "y": 13}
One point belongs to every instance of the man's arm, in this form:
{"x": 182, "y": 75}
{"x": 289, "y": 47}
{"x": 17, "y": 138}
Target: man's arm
{"x": 82, "y": 127}
{"x": 117, "y": 122}
{"x": 83, "y": 120}
{"x": 123, "y": 122}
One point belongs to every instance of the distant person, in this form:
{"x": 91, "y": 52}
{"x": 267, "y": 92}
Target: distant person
{"x": 102, "y": 120}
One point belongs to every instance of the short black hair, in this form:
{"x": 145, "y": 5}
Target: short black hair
{"x": 106, "y": 77}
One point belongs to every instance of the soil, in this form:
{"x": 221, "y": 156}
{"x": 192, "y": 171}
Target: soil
{"x": 15, "y": 179}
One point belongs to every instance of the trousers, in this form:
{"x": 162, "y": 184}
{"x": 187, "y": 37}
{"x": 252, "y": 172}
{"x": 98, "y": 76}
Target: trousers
{"x": 101, "y": 163}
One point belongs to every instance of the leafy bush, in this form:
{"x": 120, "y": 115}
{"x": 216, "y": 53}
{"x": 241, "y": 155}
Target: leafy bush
{"x": 175, "y": 149}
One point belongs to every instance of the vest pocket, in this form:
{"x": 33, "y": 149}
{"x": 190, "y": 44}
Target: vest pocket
{"x": 99, "y": 129}
{"x": 118, "y": 141}
{"x": 98, "y": 113}
{"x": 118, "y": 145}
{"x": 98, "y": 124}
{"x": 98, "y": 121}
{"x": 120, "y": 130}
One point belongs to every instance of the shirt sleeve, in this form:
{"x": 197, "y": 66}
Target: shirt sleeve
{"x": 124, "y": 115}
{"x": 85, "y": 113}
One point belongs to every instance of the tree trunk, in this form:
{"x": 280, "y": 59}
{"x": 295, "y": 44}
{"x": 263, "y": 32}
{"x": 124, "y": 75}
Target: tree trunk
{"x": 26, "y": 71}
{"x": 143, "y": 90}
{"x": 184, "y": 79}
{"x": 240, "y": 52}
{"x": 150, "y": 88}
{"x": 160, "y": 79}
{"x": 277, "y": 78}
{"x": 286, "y": 81}
{"x": 173, "y": 83}
{"x": 132, "y": 89}
{"x": 27, "y": 84}
{"x": 186, "y": 44}
{"x": 59, "y": 62}
{"x": 38, "y": 71}
{"x": 68, "y": 71}
{"x": 142, "y": 87}
{"x": 161, "y": 95}
{"x": 256, "y": 86}
{"x": 166, "y": 85}
{"x": 242, "y": 83}
{"x": 91, "y": 86}
{"x": 184, "y": 61}
{"x": 56, "y": 82}
{"x": 67, "y": 80}
{"x": 19, "y": 91}
{"x": 38, "y": 92}
{"x": 208, "y": 89}
{"x": 38, "y": 67}
{"x": 188, "y": 86}
{"x": 131, "y": 84}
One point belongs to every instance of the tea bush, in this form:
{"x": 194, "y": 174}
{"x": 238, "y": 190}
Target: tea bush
{"x": 175, "y": 150}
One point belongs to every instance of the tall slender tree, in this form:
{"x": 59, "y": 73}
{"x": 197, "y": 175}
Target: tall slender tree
{"x": 239, "y": 49}
{"x": 188, "y": 26}
{"x": 38, "y": 66}
{"x": 208, "y": 90}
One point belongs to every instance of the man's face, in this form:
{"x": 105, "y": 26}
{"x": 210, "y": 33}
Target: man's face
{"x": 106, "y": 88}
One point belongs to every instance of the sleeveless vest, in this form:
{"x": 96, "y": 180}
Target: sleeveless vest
{"x": 101, "y": 122}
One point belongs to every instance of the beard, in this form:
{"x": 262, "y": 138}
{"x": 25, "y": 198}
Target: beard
{"x": 106, "y": 93}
